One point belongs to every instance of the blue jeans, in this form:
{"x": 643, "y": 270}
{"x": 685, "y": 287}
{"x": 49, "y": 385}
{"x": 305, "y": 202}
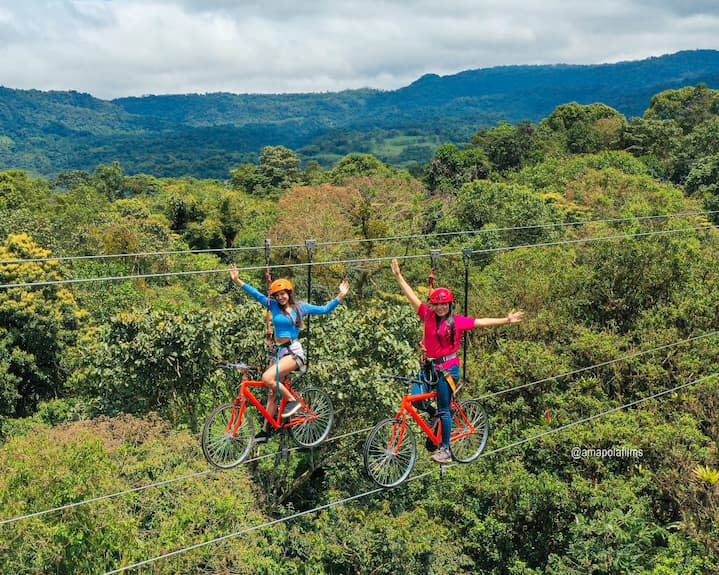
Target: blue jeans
{"x": 444, "y": 397}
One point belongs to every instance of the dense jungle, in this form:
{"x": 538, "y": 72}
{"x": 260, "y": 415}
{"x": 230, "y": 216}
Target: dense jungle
{"x": 116, "y": 305}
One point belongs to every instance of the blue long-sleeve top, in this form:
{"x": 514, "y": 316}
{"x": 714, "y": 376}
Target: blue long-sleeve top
{"x": 284, "y": 325}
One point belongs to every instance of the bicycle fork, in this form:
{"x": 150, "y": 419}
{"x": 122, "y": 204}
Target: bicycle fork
{"x": 238, "y": 411}
{"x": 399, "y": 430}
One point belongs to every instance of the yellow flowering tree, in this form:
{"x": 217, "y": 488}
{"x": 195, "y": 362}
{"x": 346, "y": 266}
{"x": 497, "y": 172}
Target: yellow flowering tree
{"x": 37, "y": 324}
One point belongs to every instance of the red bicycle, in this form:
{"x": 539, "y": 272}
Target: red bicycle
{"x": 228, "y": 432}
{"x": 391, "y": 450}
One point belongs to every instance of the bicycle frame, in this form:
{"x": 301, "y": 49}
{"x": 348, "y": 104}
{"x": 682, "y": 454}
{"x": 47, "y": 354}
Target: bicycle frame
{"x": 245, "y": 395}
{"x": 390, "y": 450}
{"x": 407, "y": 409}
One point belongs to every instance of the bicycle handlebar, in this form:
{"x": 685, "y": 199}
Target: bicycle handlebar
{"x": 231, "y": 365}
{"x": 400, "y": 378}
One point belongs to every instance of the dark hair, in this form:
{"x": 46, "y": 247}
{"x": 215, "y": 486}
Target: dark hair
{"x": 450, "y": 324}
{"x": 292, "y": 304}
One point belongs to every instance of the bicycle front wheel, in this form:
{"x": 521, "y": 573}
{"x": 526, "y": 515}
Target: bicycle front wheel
{"x": 314, "y": 419}
{"x": 390, "y": 452}
{"x": 468, "y": 443}
{"x": 222, "y": 447}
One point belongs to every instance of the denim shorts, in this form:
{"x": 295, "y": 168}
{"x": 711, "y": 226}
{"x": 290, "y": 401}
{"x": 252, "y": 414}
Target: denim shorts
{"x": 297, "y": 352}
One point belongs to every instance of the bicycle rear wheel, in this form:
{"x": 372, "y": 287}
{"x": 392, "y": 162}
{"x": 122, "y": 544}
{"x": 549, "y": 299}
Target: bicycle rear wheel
{"x": 221, "y": 449}
{"x": 390, "y": 452}
{"x": 467, "y": 445}
{"x": 314, "y": 418}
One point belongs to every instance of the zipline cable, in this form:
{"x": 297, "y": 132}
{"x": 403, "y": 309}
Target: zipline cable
{"x": 361, "y": 240}
{"x": 603, "y": 364}
{"x": 358, "y": 260}
{"x": 161, "y": 483}
{"x": 352, "y": 433}
{"x": 419, "y": 476}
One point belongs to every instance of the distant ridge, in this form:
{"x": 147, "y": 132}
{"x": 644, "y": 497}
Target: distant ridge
{"x": 204, "y": 135}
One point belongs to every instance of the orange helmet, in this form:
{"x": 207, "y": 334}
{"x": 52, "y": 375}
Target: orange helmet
{"x": 441, "y": 295}
{"x": 280, "y": 285}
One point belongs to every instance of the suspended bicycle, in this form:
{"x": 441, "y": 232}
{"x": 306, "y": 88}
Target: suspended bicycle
{"x": 391, "y": 450}
{"x": 228, "y": 433}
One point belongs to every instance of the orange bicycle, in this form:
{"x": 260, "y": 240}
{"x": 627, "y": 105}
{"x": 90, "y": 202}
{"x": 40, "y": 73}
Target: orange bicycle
{"x": 228, "y": 432}
{"x": 391, "y": 450}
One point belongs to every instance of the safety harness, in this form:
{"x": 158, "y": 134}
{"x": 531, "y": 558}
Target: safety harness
{"x": 272, "y": 349}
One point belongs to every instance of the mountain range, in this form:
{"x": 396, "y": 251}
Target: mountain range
{"x": 205, "y": 135}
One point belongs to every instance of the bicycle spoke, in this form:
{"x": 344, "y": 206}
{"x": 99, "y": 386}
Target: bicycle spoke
{"x": 312, "y": 424}
{"x": 389, "y": 453}
{"x": 470, "y": 430}
{"x": 219, "y": 446}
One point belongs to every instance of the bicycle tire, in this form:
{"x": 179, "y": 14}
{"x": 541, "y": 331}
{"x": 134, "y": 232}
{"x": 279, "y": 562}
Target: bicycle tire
{"x": 221, "y": 449}
{"x": 466, "y": 447}
{"x": 318, "y": 414}
{"x": 390, "y": 452}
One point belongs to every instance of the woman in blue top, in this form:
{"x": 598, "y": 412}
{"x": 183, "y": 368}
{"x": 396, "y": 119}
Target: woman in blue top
{"x": 287, "y": 317}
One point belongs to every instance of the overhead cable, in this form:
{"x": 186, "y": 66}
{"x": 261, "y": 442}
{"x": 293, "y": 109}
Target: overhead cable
{"x": 414, "y": 478}
{"x": 356, "y": 260}
{"x": 361, "y": 240}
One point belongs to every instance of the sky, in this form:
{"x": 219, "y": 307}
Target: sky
{"x": 117, "y": 48}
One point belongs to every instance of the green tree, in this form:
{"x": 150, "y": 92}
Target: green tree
{"x": 689, "y": 106}
{"x": 507, "y": 147}
{"x": 703, "y": 182}
{"x": 451, "y": 167}
{"x": 658, "y": 142}
{"x": 357, "y": 166}
{"x": 50, "y": 467}
{"x": 585, "y": 128}
{"x": 37, "y": 325}
{"x": 110, "y": 180}
{"x": 503, "y": 205}
{"x": 277, "y": 171}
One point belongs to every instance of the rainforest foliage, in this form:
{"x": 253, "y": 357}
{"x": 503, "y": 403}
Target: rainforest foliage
{"x": 200, "y": 135}
{"x": 116, "y": 305}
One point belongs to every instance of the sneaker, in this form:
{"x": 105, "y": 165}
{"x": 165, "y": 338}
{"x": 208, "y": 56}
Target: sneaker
{"x": 263, "y": 436}
{"x": 442, "y": 455}
{"x": 291, "y": 408}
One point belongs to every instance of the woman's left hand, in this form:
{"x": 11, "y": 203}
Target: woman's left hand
{"x": 344, "y": 290}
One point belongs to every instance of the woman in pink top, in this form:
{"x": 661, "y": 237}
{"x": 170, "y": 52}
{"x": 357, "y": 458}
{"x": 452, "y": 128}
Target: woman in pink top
{"x": 441, "y": 338}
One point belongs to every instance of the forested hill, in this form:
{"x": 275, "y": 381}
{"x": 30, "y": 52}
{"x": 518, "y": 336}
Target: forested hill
{"x": 205, "y": 134}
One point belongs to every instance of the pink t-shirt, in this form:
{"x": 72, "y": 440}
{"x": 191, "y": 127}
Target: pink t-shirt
{"x": 441, "y": 346}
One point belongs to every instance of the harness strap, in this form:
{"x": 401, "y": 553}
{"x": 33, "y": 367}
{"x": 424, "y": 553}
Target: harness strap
{"x": 277, "y": 378}
{"x": 437, "y": 362}
{"x": 268, "y": 314}
{"x": 450, "y": 381}
{"x": 443, "y": 358}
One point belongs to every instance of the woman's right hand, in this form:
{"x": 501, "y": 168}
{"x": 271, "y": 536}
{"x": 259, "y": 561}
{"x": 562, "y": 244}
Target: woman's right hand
{"x": 395, "y": 268}
{"x": 235, "y": 275}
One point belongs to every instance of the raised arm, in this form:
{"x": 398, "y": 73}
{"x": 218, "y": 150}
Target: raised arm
{"x": 251, "y": 291}
{"x": 404, "y": 286}
{"x": 235, "y": 275}
{"x": 310, "y": 309}
{"x": 513, "y": 317}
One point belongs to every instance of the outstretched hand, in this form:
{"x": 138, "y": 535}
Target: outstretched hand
{"x": 344, "y": 290}
{"x": 395, "y": 267}
{"x": 515, "y": 316}
{"x": 235, "y": 275}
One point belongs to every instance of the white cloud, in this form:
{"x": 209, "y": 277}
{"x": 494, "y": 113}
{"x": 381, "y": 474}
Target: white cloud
{"x": 113, "y": 48}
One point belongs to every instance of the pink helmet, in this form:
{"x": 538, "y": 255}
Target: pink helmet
{"x": 441, "y": 295}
